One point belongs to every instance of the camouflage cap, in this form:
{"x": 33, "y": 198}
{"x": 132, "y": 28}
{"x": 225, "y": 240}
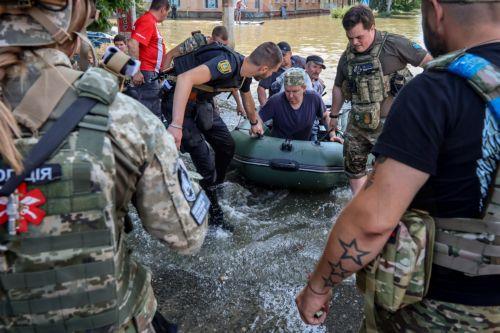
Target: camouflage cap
{"x": 294, "y": 77}
{"x": 24, "y": 30}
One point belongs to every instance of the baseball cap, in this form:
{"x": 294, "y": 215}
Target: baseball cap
{"x": 317, "y": 60}
{"x": 284, "y": 47}
{"x": 294, "y": 77}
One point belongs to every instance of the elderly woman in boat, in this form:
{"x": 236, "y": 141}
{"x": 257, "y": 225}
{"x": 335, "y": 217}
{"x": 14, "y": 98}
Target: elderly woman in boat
{"x": 295, "y": 109}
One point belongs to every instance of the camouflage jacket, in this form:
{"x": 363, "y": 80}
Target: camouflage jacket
{"x": 146, "y": 169}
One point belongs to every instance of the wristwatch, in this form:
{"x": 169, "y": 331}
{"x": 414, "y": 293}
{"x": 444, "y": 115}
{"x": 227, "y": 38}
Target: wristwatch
{"x": 253, "y": 124}
{"x": 333, "y": 116}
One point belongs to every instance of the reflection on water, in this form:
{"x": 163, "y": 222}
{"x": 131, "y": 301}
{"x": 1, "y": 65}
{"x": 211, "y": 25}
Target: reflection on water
{"x": 247, "y": 281}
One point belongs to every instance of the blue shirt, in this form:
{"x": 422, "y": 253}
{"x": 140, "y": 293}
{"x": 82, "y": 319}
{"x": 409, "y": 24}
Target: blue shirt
{"x": 289, "y": 123}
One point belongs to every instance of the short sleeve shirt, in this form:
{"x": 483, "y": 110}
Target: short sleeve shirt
{"x": 397, "y": 52}
{"x": 151, "y": 44}
{"x": 289, "y": 123}
{"x": 439, "y": 125}
{"x": 224, "y": 66}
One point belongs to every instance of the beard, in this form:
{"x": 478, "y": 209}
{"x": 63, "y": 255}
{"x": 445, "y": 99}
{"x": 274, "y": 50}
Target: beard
{"x": 434, "y": 44}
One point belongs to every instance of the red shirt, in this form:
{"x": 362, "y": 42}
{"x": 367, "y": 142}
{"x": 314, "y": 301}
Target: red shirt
{"x": 151, "y": 45}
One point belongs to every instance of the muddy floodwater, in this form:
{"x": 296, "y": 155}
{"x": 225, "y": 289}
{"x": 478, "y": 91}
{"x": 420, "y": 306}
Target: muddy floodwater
{"x": 246, "y": 281}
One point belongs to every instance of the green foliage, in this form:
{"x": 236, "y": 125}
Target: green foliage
{"x": 405, "y": 5}
{"x": 339, "y": 12}
{"x": 107, "y": 8}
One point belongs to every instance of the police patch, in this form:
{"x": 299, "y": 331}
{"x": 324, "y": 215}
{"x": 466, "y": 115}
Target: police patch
{"x": 185, "y": 182}
{"x": 224, "y": 67}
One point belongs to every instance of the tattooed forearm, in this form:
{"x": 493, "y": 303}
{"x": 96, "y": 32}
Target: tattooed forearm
{"x": 371, "y": 177}
{"x": 351, "y": 252}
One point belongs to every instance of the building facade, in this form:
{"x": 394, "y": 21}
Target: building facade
{"x": 254, "y": 8}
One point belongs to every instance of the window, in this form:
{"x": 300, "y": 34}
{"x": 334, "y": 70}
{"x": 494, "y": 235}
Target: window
{"x": 211, "y": 4}
{"x": 257, "y": 4}
{"x": 175, "y": 2}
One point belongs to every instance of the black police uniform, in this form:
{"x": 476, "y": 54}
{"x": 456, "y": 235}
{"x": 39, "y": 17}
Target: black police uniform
{"x": 202, "y": 123}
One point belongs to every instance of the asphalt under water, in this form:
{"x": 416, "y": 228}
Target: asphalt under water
{"x": 246, "y": 281}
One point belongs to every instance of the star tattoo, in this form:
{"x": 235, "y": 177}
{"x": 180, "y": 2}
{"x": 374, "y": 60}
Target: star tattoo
{"x": 351, "y": 251}
{"x": 338, "y": 270}
{"x": 328, "y": 282}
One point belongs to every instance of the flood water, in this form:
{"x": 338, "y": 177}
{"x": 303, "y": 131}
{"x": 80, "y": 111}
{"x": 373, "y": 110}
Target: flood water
{"x": 247, "y": 281}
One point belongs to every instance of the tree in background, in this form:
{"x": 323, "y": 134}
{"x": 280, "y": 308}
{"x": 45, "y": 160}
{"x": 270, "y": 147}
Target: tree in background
{"x": 108, "y": 9}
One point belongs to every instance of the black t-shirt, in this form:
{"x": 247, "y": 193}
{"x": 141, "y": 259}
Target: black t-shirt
{"x": 224, "y": 65}
{"x": 436, "y": 125}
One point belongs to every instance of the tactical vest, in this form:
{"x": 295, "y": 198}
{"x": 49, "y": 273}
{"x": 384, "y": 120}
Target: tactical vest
{"x": 367, "y": 86}
{"x": 191, "y": 60}
{"x": 475, "y": 257}
{"x": 70, "y": 270}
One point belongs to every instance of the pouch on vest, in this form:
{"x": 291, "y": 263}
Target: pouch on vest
{"x": 366, "y": 116}
{"x": 400, "y": 274}
{"x": 204, "y": 115}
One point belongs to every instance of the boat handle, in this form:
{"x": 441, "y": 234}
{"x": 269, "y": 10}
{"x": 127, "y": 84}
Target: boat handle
{"x": 282, "y": 164}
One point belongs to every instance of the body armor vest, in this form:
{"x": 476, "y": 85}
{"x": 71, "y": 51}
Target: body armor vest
{"x": 367, "y": 86}
{"x": 475, "y": 257}
{"x": 71, "y": 271}
{"x": 191, "y": 60}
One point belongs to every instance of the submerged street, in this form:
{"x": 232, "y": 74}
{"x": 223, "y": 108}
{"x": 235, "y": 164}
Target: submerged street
{"x": 247, "y": 281}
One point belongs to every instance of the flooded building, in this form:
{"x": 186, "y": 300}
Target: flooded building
{"x": 254, "y": 8}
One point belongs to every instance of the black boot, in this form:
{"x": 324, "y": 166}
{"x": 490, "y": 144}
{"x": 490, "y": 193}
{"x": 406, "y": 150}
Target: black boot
{"x": 215, "y": 213}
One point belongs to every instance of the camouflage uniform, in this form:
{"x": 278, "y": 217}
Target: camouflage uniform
{"x": 139, "y": 161}
{"x": 192, "y": 43}
{"x": 371, "y": 93}
{"x": 436, "y": 316}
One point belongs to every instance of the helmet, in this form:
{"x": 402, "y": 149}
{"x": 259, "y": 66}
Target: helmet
{"x": 42, "y": 22}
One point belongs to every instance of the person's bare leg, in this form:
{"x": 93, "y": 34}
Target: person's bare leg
{"x": 356, "y": 184}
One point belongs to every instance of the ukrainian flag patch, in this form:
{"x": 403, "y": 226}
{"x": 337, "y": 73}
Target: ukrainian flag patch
{"x": 224, "y": 67}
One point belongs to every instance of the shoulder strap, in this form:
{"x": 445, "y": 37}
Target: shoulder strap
{"x": 442, "y": 62}
{"x": 377, "y": 49}
{"x": 44, "y": 95}
{"x": 51, "y": 141}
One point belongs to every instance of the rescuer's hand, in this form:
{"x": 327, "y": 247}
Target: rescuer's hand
{"x": 313, "y": 307}
{"x": 177, "y": 134}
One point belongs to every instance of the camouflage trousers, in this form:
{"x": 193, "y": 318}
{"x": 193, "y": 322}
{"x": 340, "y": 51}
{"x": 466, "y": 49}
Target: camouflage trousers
{"x": 435, "y": 316}
{"x": 358, "y": 143}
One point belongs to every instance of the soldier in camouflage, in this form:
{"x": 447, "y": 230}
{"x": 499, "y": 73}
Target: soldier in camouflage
{"x": 66, "y": 266}
{"x": 433, "y": 267}
{"x": 371, "y": 71}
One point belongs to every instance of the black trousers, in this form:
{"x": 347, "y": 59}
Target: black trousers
{"x": 148, "y": 93}
{"x": 212, "y": 166}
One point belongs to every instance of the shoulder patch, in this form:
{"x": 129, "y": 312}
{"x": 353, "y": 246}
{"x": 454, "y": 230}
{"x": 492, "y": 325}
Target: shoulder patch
{"x": 185, "y": 182}
{"x": 416, "y": 46}
{"x": 224, "y": 67}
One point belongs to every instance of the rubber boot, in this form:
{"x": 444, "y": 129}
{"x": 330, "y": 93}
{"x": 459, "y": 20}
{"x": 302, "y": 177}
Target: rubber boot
{"x": 215, "y": 213}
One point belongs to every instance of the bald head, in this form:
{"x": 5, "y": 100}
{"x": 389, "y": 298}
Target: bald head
{"x": 449, "y": 25}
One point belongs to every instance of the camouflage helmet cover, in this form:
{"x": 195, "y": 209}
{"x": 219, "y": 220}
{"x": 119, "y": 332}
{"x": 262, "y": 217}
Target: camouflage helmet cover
{"x": 21, "y": 29}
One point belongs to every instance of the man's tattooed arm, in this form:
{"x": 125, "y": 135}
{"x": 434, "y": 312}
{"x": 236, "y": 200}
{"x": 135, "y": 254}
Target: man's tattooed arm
{"x": 351, "y": 253}
{"x": 371, "y": 176}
